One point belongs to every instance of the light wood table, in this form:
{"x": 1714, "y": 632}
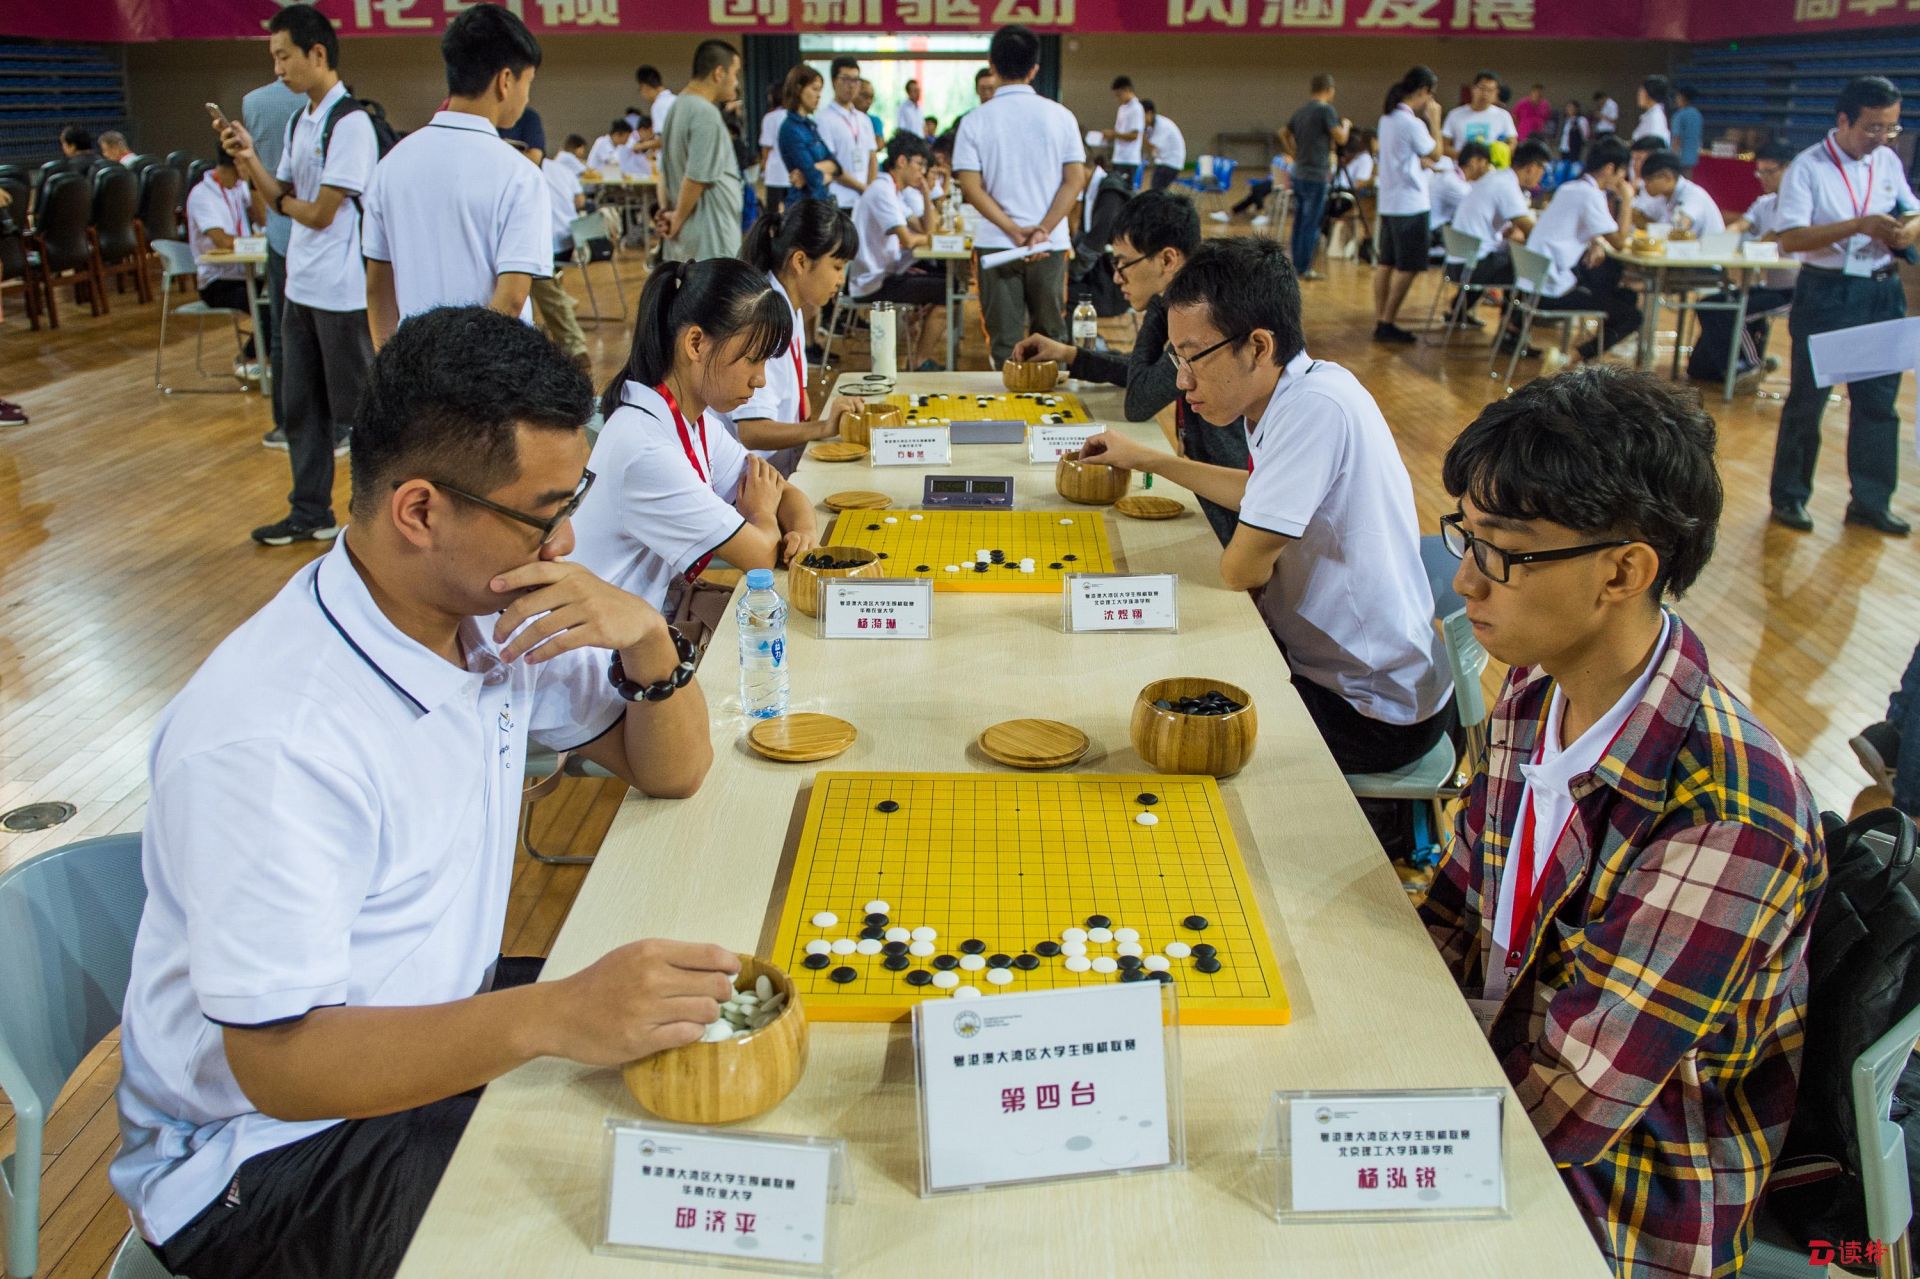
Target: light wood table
{"x": 1740, "y": 275}
{"x": 1372, "y": 1005}
{"x": 261, "y": 347}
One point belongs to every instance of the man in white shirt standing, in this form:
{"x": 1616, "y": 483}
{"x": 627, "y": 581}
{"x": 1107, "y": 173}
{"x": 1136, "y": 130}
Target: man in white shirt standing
{"x": 553, "y": 308}
{"x": 318, "y": 995}
{"x": 1653, "y": 111}
{"x": 773, "y": 169}
{"x": 846, "y": 129}
{"x": 1020, "y": 163}
{"x": 909, "y": 118}
{"x": 658, "y": 100}
{"x": 327, "y": 163}
{"x": 1673, "y": 198}
{"x": 1606, "y": 114}
{"x": 1128, "y": 132}
{"x": 1480, "y": 119}
{"x": 455, "y": 216}
{"x": 1166, "y": 147}
{"x": 1585, "y": 216}
{"x": 1845, "y": 208}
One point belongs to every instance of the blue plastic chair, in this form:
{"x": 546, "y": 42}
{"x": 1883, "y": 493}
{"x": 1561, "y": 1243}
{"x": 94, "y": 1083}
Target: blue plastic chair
{"x": 1212, "y": 176}
{"x": 67, "y": 923}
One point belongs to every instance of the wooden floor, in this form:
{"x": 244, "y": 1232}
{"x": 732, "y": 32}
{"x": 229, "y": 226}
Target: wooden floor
{"x": 124, "y": 559}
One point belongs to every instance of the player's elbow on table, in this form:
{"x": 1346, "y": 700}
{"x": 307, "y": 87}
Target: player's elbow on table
{"x": 683, "y": 774}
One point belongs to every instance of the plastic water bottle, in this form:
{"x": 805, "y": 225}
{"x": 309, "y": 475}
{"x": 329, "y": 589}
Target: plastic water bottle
{"x": 762, "y": 618}
{"x": 1086, "y": 324}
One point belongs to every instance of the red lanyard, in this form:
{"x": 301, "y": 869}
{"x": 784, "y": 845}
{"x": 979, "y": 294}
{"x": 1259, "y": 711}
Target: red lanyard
{"x": 800, "y": 375}
{"x": 1859, "y": 202}
{"x": 1526, "y": 890}
{"x": 239, "y": 210}
{"x": 702, "y": 464}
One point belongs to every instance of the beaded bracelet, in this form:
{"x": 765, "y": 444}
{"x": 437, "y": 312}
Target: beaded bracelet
{"x": 661, "y": 689}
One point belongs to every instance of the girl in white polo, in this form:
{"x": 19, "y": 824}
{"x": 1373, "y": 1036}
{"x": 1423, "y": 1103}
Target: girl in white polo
{"x": 675, "y": 488}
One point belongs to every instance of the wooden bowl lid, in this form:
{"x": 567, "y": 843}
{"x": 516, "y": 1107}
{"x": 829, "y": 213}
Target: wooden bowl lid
{"x": 800, "y": 739}
{"x": 857, "y": 500}
{"x": 1143, "y": 507}
{"x": 1034, "y": 743}
{"x": 837, "y": 452}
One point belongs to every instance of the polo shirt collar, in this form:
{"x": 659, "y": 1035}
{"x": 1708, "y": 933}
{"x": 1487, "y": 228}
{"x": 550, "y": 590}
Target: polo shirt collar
{"x": 463, "y": 120}
{"x": 1011, "y": 88}
{"x": 421, "y": 678}
{"x": 781, "y": 289}
{"x": 334, "y": 94}
{"x": 1290, "y": 379}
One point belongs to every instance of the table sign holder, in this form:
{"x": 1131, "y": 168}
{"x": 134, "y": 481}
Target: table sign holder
{"x": 656, "y": 1173}
{"x": 1087, "y": 598}
{"x": 1105, "y": 1033}
{"x": 891, "y": 608}
{"x": 910, "y": 446}
{"x": 1457, "y": 1173}
{"x": 1048, "y": 442}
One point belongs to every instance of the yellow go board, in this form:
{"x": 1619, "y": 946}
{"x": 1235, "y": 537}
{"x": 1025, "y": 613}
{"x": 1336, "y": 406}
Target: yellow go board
{"x": 1053, "y": 407}
{"x": 1009, "y": 864}
{"x": 943, "y": 545}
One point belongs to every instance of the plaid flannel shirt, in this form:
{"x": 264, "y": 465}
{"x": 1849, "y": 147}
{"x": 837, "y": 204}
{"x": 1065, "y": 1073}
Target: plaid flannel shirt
{"x": 1654, "y": 1028}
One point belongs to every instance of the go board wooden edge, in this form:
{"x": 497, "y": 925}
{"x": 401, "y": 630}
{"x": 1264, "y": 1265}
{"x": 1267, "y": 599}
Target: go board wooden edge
{"x": 1049, "y": 584}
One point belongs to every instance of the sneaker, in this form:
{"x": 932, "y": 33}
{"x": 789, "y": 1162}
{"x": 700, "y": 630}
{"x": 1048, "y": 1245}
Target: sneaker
{"x": 1262, "y": 220}
{"x": 286, "y": 533}
{"x": 12, "y": 414}
{"x": 274, "y": 439}
{"x": 1217, "y": 216}
{"x": 1311, "y": 274}
{"x": 1877, "y": 747}
{"x": 1393, "y": 333}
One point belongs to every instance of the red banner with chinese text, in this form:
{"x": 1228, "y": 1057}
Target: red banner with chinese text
{"x": 1723, "y": 21}
{"x": 140, "y": 20}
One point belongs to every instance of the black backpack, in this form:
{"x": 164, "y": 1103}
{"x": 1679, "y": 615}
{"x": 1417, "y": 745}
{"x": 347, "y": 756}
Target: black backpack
{"x": 384, "y": 137}
{"x": 1863, "y": 960}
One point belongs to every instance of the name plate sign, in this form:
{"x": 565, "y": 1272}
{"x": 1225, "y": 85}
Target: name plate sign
{"x": 1048, "y": 444}
{"x": 1121, "y": 602}
{"x": 910, "y": 446}
{"x": 1391, "y": 1153}
{"x": 949, "y": 243}
{"x": 1760, "y": 251}
{"x": 876, "y": 608}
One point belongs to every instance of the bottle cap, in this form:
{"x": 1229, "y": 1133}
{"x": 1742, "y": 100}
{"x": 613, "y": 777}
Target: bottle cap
{"x": 759, "y": 579}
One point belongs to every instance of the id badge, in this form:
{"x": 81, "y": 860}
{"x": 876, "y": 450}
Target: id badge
{"x": 1859, "y": 260}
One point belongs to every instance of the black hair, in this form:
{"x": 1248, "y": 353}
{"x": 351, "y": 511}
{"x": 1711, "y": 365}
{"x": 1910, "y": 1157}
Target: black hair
{"x": 1778, "y": 152}
{"x": 942, "y": 144}
{"x": 571, "y": 141}
{"x": 982, "y": 74}
{"x": 911, "y": 84}
{"x": 1121, "y": 82}
{"x": 648, "y": 75}
{"x": 1474, "y": 150}
{"x": 1864, "y": 93}
{"x": 932, "y": 120}
{"x": 726, "y": 297}
{"x": 1657, "y": 87}
{"x": 620, "y": 125}
{"x": 77, "y": 138}
{"x": 796, "y": 83}
{"x": 1646, "y": 145}
{"x": 1603, "y": 151}
{"x": 844, "y": 62}
{"x": 1416, "y": 79}
{"x": 711, "y": 55}
{"x": 1661, "y": 161}
{"x": 1156, "y": 220}
{"x": 1013, "y": 52}
{"x": 221, "y": 160}
{"x": 1478, "y": 76}
{"x": 482, "y": 42}
{"x": 904, "y": 146}
{"x": 1246, "y": 283}
{"x": 817, "y": 228}
{"x": 1532, "y": 151}
{"x": 1146, "y": 105}
{"x": 306, "y": 26}
{"x": 1599, "y": 95}
{"x": 1320, "y": 83}
{"x": 1686, "y": 91}
{"x": 1605, "y": 451}
{"x": 446, "y": 395}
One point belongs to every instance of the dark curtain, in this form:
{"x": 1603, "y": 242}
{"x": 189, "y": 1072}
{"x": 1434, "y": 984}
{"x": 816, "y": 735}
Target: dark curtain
{"x": 1047, "y": 83}
{"x": 765, "y": 60}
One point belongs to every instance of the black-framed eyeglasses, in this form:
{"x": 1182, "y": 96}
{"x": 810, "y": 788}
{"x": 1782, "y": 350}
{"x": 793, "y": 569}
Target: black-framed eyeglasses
{"x": 548, "y": 525}
{"x": 1185, "y": 363}
{"x": 1496, "y": 563}
{"x": 1120, "y": 269}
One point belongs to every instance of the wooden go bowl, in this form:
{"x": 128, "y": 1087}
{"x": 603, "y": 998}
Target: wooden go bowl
{"x": 1174, "y": 743}
{"x": 857, "y": 428}
{"x": 733, "y": 1079}
{"x": 1030, "y": 376}
{"x": 803, "y": 583}
{"x": 1092, "y": 483}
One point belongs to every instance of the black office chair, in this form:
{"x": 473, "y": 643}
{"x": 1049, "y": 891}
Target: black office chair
{"x": 143, "y": 161}
{"x": 157, "y": 217}
{"x": 60, "y": 246}
{"x": 195, "y": 171}
{"x": 16, "y": 272}
{"x": 180, "y": 160}
{"x": 116, "y": 243}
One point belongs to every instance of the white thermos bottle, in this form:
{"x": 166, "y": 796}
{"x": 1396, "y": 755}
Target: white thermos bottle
{"x": 881, "y": 333}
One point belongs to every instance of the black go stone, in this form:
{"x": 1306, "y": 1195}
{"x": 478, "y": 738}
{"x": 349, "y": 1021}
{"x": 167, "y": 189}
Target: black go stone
{"x": 872, "y": 932}
{"x": 876, "y": 920}
{"x": 842, "y": 975}
{"x": 1146, "y": 797}
{"x": 1207, "y": 964}
{"x": 1205, "y": 950}
{"x": 879, "y": 555}
{"x": 1047, "y": 948}
{"x": 1164, "y": 978}
{"x": 873, "y": 528}
{"x": 1025, "y": 963}
{"x": 981, "y": 566}
{"x": 1099, "y": 921}
{"x": 1069, "y": 558}
{"x": 922, "y": 568}
{"x": 886, "y": 806}
{"x": 1055, "y": 564}
{"x": 1129, "y": 962}
{"x": 999, "y": 961}
{"x": 1198, "y": 923}
{"x": 945, "y": 963}
{"x": 973, "y": 946}
{"x": 919, "y": 977}
{"x": 896, "y": 963}
{"x": 894, "y": 948}
{"x": 816, "y": 961}
{"x": 1132, "y": 974}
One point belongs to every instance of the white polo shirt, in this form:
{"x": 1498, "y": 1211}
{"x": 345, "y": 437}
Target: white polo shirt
{"x": 1349, "y": 598}
{"x": 603, "y": 157}
{"x": 568, "y": 161}
{"x": 881, "y": 210}
{"x": 1448, "y": 187}
{"x": 1763, "y": 220}
{"x": 657, "y": 113}
{"x": 1130, "y": 118}
{"x": 1463, "y": 125}
{"x": 1169, "y": 144}
{"x": 1690, "y": 198}
{"x": 773, "y": 173}
{"x": 1814, "y": 192}
{"x": 451, "y": 208}
{"x": 1653, "y": 124}
{"x": 783, "y": 398}
{"x": 1608, "y": 119}
{"x": 849, "y": 135}
{"x": 652, "y": 513}
{"x": 1018, "y": 142}
{"x": 212, "y": 205}
{"x": 563, "y": 185}
{"x": 1403, "y": 182}
{"x": 1578, "y": 212}
{"x": 910, "y": 118}
{"x": 1491, "y": 205}
{"x": 324, "y": 270}
{"x": 333, "y": 831}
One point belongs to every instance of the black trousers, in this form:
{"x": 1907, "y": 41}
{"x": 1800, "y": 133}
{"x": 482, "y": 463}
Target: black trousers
{"x": 233, "y": 293}
{"x": 1824, "y": 301}
{"x": 1709, "y": 359}
{"x": 775, "y": 201}
{"x": 1362, "y": 745}
{"x": 1598, "y": 289}
{"x": 344, "y": 1202}
{"x": 1163, "y": 176}
{"x": 276, "y": 324}
{"x": 326, "y": 354}
{"x": 1125, "y": 172}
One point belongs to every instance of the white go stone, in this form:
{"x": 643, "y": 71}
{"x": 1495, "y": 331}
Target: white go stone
{"x": 923, "y": 933}
{"x": 982, "y": 554}
{"x": 763, "y": 986}
{"x": 1130, "y": 948}
{"x": 843, "y": 946}
{"x": 973, "y": 963}
{"x": 953, "y": 568}
{"x": 920, "y": 948}
{"x": 1101, "y": 935}
{"x": 916, "y": 517}
{"x": 890, "y": 520}
{"x": 898, "y": 934}
{"x": 999, "y": 976}
{"x": 1073, "y": 949}
{"x": 1065, "y": 521}
{"x": 1074, "y": 934}
{"x": 1178, "y": 950}
{"x": 1156, "y": 963}
{"x": 877, "y": 907}
{"x": 1126, "y": 934}
{"x": 966, "y": 992}
{"x": 819, "y": 946}
{"x": 945, "y": 980}
{"x": 825, "y": 919}
{"x": 868, "y": 946}
{"x": 1147, "y": 819}
{"x": 1105, "y": 964}
{"x": 1078, "y": 963}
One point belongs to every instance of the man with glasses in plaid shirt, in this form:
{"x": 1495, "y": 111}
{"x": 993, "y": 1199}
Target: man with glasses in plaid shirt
{"x": 1633, "y": 877}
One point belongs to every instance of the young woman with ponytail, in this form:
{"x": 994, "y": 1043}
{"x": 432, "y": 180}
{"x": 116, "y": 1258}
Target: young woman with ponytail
{"x": 802, "y": 254}
{"x": 675, "y": 488}
{"x": 1407, "y": 152}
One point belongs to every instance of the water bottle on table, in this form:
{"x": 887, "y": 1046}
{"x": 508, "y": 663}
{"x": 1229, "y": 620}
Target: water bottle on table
{"x": 762, "y": 619}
